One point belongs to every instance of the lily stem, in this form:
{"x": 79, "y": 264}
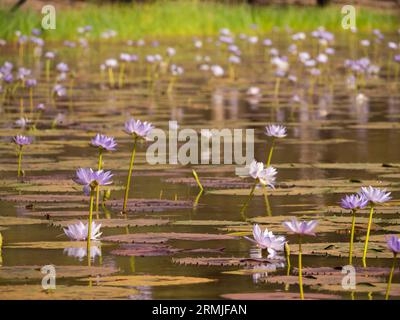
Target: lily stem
{"x": 243, "y": 210}
{"x": 353, "y": 224}
{"x": 19, "y": 161}
{"x": 99, "y": 167}
{"x": 89, "y": 235}
{"x": 390, "y": 277}
{"x": 128, "y": 182}
{"x": 300, "y": 271}
{"x": 271, "y": 150}
{"x": 364, "y": 259}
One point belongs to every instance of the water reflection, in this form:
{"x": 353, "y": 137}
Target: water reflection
{"x": 81, "y": 252}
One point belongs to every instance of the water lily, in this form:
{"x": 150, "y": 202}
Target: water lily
{"x": 262, "y": 175}
{"x": 79, "y": 231}
{"x": 138, "y": 130}
{"x": 102, "y": 142}
{"x": 353, "y": 202}
{"x": 301, "y": 228}
{"x": 393, "y": 244}
{"x": 374, "y": 196}
{"x": 21, "y": 141}
{"x": 91, "y": 180}
{"x": 267, "y": 240}
{"x": 274, "y": 131}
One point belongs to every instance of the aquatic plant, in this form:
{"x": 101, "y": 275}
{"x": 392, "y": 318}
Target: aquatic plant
{"x": 79, "y": 231}
{"x": 393, "y": 244}
{"x": 374, "y": 196}
{"x": 102, "y": 143}
{"x": 21, "y": 141}
{"x": 274, "y": 131}
{"x": 90, "y": 180}
{"x": 111, "y": 64}
{"x": 267, "y": 240}
{"x": 261, "y": 175}
{"x": 353, "y": 202}
{"x": 138, "y": 130}
{"x": 301, "y": 228}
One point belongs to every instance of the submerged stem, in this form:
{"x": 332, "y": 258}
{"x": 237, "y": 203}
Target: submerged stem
{"x": 390, "y": 277}
{"x": 364, "y": 259}
{"x": 128, "y": 182}
{"x": 243, "y": 210}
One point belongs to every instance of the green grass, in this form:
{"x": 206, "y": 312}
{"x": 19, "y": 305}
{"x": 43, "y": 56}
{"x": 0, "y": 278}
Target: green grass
{"x": 183, "y": 18}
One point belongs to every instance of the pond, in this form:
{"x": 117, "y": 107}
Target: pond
{"x": 174, "y": 243}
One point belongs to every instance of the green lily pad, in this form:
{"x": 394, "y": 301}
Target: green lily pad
{"x": 147, "y": 280}
{"x": 33, "y": 272}
{"x": 51, "y": 244}
{"x": 36, "y": 292}
{"x": 16, "y": 221}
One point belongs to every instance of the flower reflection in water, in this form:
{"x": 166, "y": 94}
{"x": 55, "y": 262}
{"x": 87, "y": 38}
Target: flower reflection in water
{"x": 256, "y": 253}
{"x": 81, "y": 252}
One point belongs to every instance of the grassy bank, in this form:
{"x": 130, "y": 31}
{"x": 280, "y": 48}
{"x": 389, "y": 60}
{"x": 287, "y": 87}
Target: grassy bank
{"x": 188, "y": 18}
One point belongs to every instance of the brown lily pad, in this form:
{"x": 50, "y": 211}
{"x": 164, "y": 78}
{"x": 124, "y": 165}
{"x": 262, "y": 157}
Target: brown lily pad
{"x": 278, "y": 296}
{"x": 144, "y": 250}
{"x": 152, "y": 205}
{"x": 162, "y": 237}
{"x": 222, "y": 261}
{"x": 118, "y": 223}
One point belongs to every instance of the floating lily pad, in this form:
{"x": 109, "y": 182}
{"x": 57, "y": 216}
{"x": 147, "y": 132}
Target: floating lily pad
{"x": 207, "y": 223}
{"x": 148, "y": 280}
{"x": 212, "y": 183}
{"x": 362, "y": 287}
{"x": 118, "y": 223}
{"x": 15, "y": 221}
{"x": 139, "y": 205}
{"x": 43, "y": 198}
{"x": 51, "y": 244}
{"x": 55, "y": 214}
{"x": 33, "y": 272}
{"x": 162, "y": 237}
{"x": 278, "y": 296}
{"x": 223, "y": 261}
{"x": 143, "y": 250}
{"x": 36, "y": 292}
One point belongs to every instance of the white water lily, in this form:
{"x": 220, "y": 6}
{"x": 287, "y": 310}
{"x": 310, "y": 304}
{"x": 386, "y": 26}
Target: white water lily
{"x": 267, "y": 240}
{"x": 79, "y": 231}
{"x": 265, "y": 176}
{"x": 81, "y": 252}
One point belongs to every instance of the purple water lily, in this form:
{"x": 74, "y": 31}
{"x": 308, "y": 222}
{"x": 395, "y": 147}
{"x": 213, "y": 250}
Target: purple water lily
{"x": 393, "y": 244}
{"x": 104, "y": 142}
{"x": 354, "y": 201}
{"x": 90, "y": 179}
{"x": 301, "y": 227}
{"x": 277, "y": 131}
{"x": 375, "y": 195}
{"x": 138, "y": 128}
{"x": 22, "y": 140}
